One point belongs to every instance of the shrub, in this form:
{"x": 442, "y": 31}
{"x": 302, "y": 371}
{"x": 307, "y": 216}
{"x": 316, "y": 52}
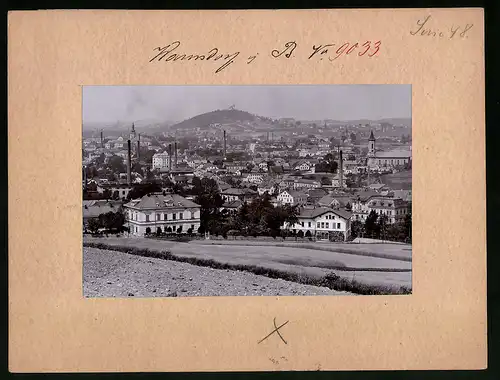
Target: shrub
{"x": 148, "y": 230}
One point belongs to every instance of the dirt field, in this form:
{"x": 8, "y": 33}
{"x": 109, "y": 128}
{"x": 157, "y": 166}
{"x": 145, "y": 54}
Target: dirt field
{"x": 116, "y": 274}
{"x": 311, "y": 262}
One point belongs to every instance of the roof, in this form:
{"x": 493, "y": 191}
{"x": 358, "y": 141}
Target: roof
{"x": 318, "y": 211}
{"x": 95, "y": 208}
{"x": 234, "y": 204}
{"x": 366, "y": 195}
{"x": 297, "y": 194}
{"x": 155, "y": 201}
{"x": 396, "y": 153}
{"x": 317, "y": 192}
{"x": 276, "y": 169}
{"x": 376, "y": 186}
{"x": 371, "y": 136}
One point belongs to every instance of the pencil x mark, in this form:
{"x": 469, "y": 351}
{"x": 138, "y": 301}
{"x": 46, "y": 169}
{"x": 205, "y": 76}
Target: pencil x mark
{"x": 276, "y": 330}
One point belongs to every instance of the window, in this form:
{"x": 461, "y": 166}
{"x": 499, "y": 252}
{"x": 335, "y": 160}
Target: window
{"x": 157, "y": 216}
{"x": 147, "y": 218}
{"x": 338, "y": 226}
{"x": 302, "y": 224}
{"x": 326, "y": 225}
{"x": 164, "y": 216}
{"x": 181, "y": 215}
{"x": 309, "y": 224}
{"x": 174, "y": 216}
{"x": 322, "y": 224}
{"x": 317, "y": 224}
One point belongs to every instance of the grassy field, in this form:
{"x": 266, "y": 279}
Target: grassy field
{"x": 392, "y": 251}
{"x": 315, "y": 263}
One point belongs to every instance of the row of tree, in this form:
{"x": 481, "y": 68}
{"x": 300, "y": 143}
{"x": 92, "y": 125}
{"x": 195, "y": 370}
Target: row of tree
{"x": 378, "y": 227}
{"x": 110, "y": 221}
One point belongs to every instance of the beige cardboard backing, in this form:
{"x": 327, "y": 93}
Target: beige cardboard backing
{"x": 442, "y": 325}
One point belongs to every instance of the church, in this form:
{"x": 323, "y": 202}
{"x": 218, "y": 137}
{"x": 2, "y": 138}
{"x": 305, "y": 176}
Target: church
{"x": 386, "y": 159}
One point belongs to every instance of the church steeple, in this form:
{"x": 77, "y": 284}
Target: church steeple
{"x": 132, "y": 132}
{"x": 371, "y": 145}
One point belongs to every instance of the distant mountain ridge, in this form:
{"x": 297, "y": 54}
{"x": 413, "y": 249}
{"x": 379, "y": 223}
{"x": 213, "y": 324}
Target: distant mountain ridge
{"x": 215, "y": 117}
{"x": 204, "y": 120}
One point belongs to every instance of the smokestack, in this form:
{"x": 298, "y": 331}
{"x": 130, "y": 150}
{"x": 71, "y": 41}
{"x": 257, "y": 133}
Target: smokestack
{"x": 102, "y": 140}
{"x": 129, "y": 164}
{"x": 169, "y": 156}
{"x": 175, "y": 153}
{"x": 224, "y": 144}
{"x": 341, "y": 176}
{"x": 138, "y": 149}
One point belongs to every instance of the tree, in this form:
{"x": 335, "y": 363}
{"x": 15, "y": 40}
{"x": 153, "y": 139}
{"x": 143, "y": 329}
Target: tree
{"x": 94, "y": 225}
{"x": 169, "y": 229}
{"x": 371, "y": 223}
{"x": 106, "y": 194}
{"x": 300, "y": 234}
{"x": 158, "y": 231}
{"x": 190, "y": 231}
{"x": 308, "y": 234}
{"x": 356, "y": 229}
{"x": 142, "y": 190}
{"x": 148, "y": 230}
{"x": 113, "y": 221}
{"x": 179, "y": 229}
{"x": 115, "y": 163}
{"x": 353, "y": 137}
{"x": 382, "y": 226}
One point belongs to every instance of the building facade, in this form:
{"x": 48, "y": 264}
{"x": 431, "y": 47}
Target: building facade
{"x": 162, "y": 213}
{"x": 322, "y": 223}
{"x": 160, "y": 160}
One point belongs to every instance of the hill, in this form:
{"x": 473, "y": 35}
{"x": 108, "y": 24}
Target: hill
{"x": 215, "y": 117}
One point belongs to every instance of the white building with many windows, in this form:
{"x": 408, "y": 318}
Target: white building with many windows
{"x": 322, "y": 223}
{"x": 162, "y": 213}
{"x": 160, "y": 160}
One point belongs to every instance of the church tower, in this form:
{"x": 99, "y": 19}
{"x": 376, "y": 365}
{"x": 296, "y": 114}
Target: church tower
{"x": 371, "y": 145}
{"x": 132, "y": 133}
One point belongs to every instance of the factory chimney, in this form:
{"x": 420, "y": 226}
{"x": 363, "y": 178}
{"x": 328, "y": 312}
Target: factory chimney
{"x": 341, "y": 175}
{"x": 169, "y": 157}
{"x": 175, "y": 153}
{"x": 129, "y": 163}
{"x": 224, "y": 145}
{"x": 102, "y": 140}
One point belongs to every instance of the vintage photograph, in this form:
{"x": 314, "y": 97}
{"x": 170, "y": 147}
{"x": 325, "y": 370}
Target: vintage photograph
{"x": 246, "y": 190}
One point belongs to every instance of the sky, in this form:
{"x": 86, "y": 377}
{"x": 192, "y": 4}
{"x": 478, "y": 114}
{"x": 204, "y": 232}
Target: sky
{"x": 112, "y": 104}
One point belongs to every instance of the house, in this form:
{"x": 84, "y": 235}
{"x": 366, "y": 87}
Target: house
{"x": 232, "y": 206}
{"x": 161, "y": 160}
{"x": 93, "y": 208}
{"x": 292, "y": 197}
{"x": 254, "y": 177}
{"x": 303, "y": 183}
{"x": 162, "y": 213}
{"x": 263, "y": 166}
{"x": 117, "y": 190}
{"x": 394, "y": 208}
{"x": 233, "y": 194}
{"x": 335, "y": 201}
{"x": 336, "y": 181}
{"x": 365, "y": 202}
{"x": 379, "y": 187}
{"x": 322, "y": 223}
{"x": 267, "y": 187}
{"x": 314, "y": 195}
